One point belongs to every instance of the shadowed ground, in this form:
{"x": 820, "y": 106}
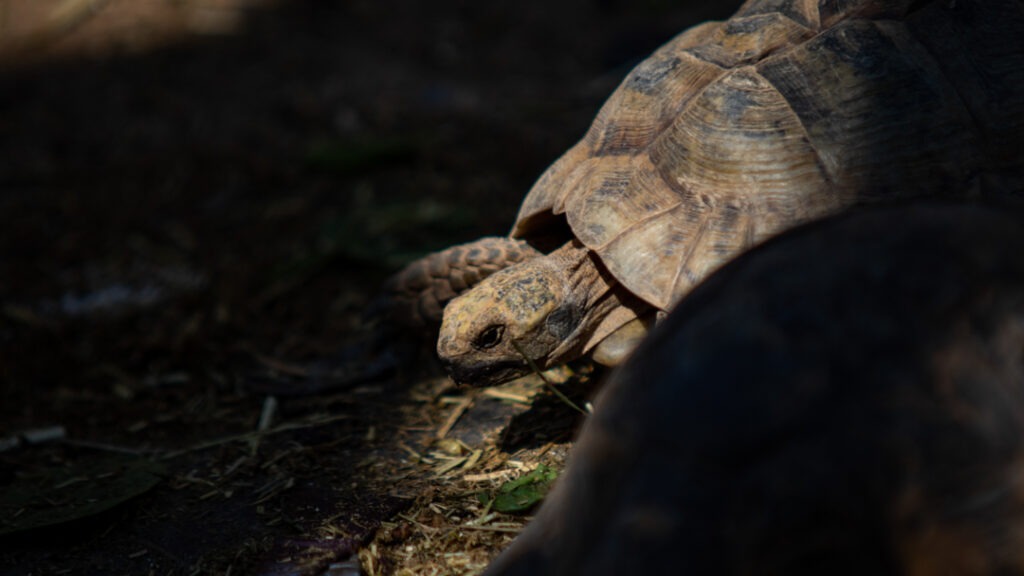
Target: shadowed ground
{"x": 194, "y": 225}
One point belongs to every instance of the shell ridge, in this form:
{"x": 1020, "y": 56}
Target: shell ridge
{"x": 897, "y": 32}
{"x": 803, "y": 25}
{"x": 937, "y": 67}
{"x": 666, "y": 177}
{"x": 638, "y": 222}
{"x": 812, "y": 34}
{"x": 749, "y": 233}
{"x": 803, "y": 12}
{"x": 829, "y": 179}
{"x": 684, "y": 264}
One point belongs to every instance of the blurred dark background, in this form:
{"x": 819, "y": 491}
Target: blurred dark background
{"x": 189, "y": 185}
{"x": 276, "y": 159}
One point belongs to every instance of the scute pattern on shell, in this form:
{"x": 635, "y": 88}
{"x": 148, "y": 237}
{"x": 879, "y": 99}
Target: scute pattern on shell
{"x": 789, "y": 111}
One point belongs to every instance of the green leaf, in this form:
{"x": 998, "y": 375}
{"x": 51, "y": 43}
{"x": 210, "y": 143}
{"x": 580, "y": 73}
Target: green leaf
{"x": 524, "y": 492}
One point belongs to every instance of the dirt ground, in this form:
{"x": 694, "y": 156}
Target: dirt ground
{"x": 200, "y": 200}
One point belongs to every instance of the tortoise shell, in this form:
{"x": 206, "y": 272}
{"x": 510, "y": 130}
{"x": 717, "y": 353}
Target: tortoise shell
{"x": 788, "y": 111}
{"x": 863, "y": 417}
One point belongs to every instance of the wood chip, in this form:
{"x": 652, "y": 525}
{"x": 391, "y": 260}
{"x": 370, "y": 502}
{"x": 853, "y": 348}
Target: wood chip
{"x": 453, "y": 418}
{"x": 486, "y": 477}
{"x": 506, "y": 395}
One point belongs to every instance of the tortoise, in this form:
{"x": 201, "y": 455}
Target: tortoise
{"x": 728, "y": 134}
{"x": 865, "y": 417}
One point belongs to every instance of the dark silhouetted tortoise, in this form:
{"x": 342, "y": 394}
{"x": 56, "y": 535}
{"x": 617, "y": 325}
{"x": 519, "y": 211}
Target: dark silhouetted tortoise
{"x": 732, "y": 132}
{"x": 847, "y": 398}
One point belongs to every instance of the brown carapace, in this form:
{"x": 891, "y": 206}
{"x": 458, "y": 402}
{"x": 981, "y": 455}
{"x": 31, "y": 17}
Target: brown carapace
{"x": 846, "y": 399}
{"x": 732, "y": 132}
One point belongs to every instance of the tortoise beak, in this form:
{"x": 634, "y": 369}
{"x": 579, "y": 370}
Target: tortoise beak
{"x": 483, "y": 374}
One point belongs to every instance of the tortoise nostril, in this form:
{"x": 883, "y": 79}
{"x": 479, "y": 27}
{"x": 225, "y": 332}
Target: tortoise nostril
{"x": 446, "y": 348}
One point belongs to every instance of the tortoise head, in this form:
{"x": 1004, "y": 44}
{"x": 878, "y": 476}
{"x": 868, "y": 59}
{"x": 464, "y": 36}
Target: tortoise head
{"x": 526, "y": 309}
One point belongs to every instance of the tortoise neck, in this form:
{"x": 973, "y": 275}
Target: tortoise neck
{"x": 586, "y": 280}
{"x": 604, "y": 305}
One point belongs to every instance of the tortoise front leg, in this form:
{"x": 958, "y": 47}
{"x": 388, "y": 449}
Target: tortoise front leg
{"x": 405, "y": 318}
{"x": 419, "y": 292}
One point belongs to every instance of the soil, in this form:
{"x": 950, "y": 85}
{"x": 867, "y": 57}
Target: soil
{"x": 198, "y": 211}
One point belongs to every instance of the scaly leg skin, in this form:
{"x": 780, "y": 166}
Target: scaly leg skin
{"x": 407, "y": 315}
{"x": 419, "y": 292}
{"x": 403, "y": 321}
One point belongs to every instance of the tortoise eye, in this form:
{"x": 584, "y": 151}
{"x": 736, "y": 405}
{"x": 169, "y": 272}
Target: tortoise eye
{"x": 489, "y": 338}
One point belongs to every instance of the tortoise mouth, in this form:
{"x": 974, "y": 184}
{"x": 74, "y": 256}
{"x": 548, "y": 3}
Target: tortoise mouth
{"x": 482, "y": 374}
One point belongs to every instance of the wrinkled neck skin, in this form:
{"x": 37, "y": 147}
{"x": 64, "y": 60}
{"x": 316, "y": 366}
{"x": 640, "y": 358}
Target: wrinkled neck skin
{"x": 606, "y": 304}
{"x": 552, "y": 309}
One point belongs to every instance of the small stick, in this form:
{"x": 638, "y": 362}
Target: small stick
{"x": 557, "y": 392}
{"x": 251, "y": 435}
{"x": 490, "y": 528}
{"x": 460, "y": 408}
